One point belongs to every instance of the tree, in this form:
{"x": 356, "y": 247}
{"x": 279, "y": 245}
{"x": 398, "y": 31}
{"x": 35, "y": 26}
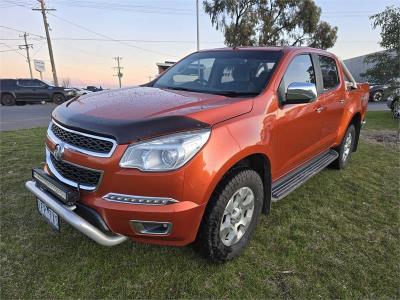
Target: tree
{"x": 386, "y": 64}
{"x": 270, "y": 22}
{"x": 66, "y": 82}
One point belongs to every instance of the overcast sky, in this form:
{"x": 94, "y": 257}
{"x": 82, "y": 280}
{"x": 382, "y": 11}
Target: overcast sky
{"x": 84, "y": 34}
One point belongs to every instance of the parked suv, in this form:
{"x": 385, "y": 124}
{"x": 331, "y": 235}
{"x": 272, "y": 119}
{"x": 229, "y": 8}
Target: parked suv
{"x": 199, "y": 156}
{"x": 20, "y": 91}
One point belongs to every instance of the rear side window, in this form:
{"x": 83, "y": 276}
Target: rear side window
{"x": 300, "y": 69}
{"x": 330, "y": 74}
{"x": 25, "y": 82}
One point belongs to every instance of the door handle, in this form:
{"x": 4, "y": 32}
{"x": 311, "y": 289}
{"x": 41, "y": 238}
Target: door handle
{"x": 319, "y": 109}
{"x": 341, "y": 101}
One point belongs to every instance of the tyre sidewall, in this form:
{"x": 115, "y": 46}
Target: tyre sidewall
{"x": 247, "y": 178}
{"x": 58, "y": 99}
{"x": 8, "y": 100}
{"x": 350, "y": 130}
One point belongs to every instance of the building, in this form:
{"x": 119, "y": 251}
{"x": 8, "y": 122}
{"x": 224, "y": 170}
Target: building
{"x": 162, "y": 67}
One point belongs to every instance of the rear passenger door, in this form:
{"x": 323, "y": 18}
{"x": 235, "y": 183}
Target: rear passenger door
{"x": 27, "y": 89}
{"x": 24, "y": 89}
{"x": 333, "y": 95}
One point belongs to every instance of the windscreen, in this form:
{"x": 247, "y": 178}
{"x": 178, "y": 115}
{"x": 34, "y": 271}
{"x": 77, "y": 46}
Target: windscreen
{"x": 232, "y": 73}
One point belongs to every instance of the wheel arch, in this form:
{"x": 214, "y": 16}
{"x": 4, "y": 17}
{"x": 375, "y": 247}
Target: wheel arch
{"x": 258, "y": 162}
{"x": 356, "y": 121}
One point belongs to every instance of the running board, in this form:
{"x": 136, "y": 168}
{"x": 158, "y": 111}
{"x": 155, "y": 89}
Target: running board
{"x": 284, "y": 186}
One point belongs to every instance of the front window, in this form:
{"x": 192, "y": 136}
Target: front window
{"x": 231, "y": 73}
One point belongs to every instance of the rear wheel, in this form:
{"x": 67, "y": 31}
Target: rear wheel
{"x": 346, "y": 148}
{"x": 58, "y": 98}
{"x": 377, "y": 96}
{"x": 7, "y": 100}
{"x": 231, "y": 216}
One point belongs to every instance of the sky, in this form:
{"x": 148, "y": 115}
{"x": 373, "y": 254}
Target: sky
{"x": 87, "y": 35}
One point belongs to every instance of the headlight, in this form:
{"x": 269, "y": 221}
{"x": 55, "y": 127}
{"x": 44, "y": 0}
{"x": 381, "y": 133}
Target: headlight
{"x": 70, "y": 92}
{"x": 165, "y": 153}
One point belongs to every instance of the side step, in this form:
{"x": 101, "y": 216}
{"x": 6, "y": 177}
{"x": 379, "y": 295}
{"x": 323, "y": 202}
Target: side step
{"x": 287, "y": 184}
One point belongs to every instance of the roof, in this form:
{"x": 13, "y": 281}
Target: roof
{"x": 165, "y": 64}
{"x": 268, "y": 48}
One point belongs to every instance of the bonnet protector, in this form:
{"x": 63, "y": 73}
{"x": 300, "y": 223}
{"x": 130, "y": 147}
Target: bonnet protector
{"x": 126, "y": 131}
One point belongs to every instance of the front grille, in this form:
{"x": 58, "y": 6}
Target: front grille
{"x": 76, "y": 174}
{"x": 82, "y": 141}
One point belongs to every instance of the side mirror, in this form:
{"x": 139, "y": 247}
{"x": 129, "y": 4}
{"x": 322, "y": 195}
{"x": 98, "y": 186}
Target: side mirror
{"x": 301, "y": 92}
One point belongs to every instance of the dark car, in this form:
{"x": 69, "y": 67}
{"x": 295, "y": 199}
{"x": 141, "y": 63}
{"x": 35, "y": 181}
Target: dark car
{"x": 20, "y": 91}
{"x": 376, "y": 92}
{"x": 93, "y": 88}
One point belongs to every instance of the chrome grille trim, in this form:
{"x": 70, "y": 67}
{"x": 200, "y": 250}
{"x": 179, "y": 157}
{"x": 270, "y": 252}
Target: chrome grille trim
{"x": 56, "y": 140}
{"x": 54, "y": 171}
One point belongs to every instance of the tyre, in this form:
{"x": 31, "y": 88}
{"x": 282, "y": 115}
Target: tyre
{"x": 58, "y": 99}
{"x": 7, "y": 100}
{"x": 377, "y": 96}
{"x": 231, "y": 216}
{"x": 346, "y": 148}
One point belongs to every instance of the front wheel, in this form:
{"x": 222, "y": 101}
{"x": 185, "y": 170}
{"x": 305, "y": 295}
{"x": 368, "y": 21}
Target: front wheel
{"x": 346, "y": 148}
{"x": 231, "y": 216}
{"x": 58, "y": 99}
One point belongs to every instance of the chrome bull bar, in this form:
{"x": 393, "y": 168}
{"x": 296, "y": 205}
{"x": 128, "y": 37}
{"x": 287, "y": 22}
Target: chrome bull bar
{"x": 73, "y": 219}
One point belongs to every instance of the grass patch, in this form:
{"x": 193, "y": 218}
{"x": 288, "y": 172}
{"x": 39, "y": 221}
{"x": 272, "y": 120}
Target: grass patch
{"x": 335, "y": 237}
{"x": 381, "y": 120}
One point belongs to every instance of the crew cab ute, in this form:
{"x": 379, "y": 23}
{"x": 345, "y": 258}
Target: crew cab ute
{"x": 200, "y": 152}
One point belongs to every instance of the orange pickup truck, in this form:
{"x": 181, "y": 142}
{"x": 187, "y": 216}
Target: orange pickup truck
{"x": 199, "y": 153}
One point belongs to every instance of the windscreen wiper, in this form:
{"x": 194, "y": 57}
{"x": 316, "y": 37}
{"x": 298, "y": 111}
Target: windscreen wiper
{"x": 234, "y": 93}
{"x": 177, "y": 88}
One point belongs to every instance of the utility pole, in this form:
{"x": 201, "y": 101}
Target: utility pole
{"x": 26, "y": 46}
{"x": 197, "y": 21}
{"x": 44, "y": 11}
{"x": 119, "y": 68}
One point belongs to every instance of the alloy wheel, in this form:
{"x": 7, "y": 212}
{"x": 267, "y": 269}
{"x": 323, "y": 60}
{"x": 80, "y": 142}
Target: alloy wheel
{"x": 347, "y": 146}
{"x": 237, "y": 216}
{"x": 377, "y": 96}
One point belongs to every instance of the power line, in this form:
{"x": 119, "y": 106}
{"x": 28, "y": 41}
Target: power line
{"x": 38, "y": 49}
{"x": 110, "y": 38}
{"x": 127, "y": 7}
{"x": 9, "y": 50}
{"x": 12, "y": 49}
{"x": 117, "y": 40}
{"x": 22, "y": 31}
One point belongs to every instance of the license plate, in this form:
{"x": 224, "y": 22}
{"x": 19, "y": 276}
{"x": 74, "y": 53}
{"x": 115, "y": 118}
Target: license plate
{"x": 49, "y": 215}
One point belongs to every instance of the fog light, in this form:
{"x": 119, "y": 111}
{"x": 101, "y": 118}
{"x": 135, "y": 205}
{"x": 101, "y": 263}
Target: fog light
{"x": 130, "y": 199}
{"x": 151, "y": 227}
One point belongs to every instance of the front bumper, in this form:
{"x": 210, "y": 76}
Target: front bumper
{"x": 183, "y": 218}
{"x": 68, "y": 215}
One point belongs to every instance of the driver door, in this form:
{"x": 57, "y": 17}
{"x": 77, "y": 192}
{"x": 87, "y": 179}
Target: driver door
{"x": 299, "y": 126}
